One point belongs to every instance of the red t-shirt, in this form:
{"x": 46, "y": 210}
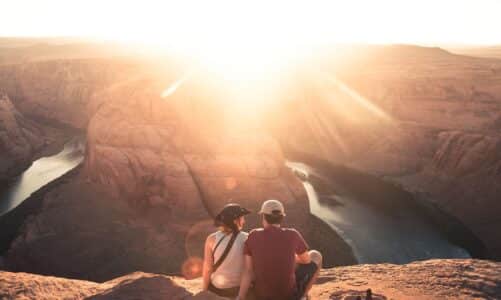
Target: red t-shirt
{"x": 273, "y": 252}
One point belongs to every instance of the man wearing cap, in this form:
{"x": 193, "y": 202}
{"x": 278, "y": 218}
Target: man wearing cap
{"x": 277, "y": 259}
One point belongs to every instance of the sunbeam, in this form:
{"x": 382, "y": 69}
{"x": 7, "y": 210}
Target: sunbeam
{"x": 174, "y": 86}
{"x": 359, "y": 99}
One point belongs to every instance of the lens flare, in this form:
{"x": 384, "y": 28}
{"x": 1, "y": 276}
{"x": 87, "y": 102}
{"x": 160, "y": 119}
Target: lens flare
{"x": 192, "y": 268}
{"x": 174, "y": 86}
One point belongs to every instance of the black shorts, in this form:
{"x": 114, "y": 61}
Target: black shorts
{"x": 226, "y": 293}
{"x": 304, "y": 274}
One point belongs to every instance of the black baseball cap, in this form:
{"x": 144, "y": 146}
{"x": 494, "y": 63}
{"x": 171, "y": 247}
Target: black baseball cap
{"x": 229, "y": 213}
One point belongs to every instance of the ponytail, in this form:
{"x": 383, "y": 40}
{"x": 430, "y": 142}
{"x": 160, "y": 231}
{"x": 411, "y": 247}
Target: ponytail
{"x": 230, "y": 228}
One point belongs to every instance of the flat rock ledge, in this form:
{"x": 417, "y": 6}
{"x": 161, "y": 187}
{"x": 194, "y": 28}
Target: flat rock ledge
{"x": 432, "y": 279}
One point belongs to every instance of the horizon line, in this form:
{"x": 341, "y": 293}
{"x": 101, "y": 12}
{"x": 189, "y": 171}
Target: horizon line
{"x": 95, "y": 39}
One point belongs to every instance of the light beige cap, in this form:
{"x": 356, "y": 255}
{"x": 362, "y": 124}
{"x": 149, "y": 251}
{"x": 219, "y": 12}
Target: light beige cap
{"x": 271, "y": 207}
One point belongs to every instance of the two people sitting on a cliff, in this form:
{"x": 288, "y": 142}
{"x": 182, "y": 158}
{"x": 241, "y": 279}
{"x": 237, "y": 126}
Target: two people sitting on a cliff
{"x": 272, "y": 263}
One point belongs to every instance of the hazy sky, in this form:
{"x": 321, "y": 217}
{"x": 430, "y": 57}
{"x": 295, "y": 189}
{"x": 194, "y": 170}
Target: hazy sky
{"x": 375, "y": 21}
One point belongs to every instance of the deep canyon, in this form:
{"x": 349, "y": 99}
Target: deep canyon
{"x": 158, "y": 165}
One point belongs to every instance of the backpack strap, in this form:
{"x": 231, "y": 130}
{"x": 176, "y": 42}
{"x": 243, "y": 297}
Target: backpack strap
{"x": 226, "y": 251}
{"x": 217, "y": 245}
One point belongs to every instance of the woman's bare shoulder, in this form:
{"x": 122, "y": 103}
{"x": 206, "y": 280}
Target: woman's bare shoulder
{"x": 211, "y": 238}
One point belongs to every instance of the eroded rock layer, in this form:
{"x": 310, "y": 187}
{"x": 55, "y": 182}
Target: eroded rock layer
{"x": 420, "y": 117}
{"x": 156, "y": 171}
{"x": 141, "y": 144}
{"x": 164, "y": 155}
{"x": 61, "y": 90}
{"x": 20, "y": 139}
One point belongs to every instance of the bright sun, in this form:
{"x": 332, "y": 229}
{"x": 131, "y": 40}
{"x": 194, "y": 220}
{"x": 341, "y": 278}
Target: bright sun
{"x": 241, "y": 42}
{"x": 249, "y": 42}
{"x": 256, "y": 37}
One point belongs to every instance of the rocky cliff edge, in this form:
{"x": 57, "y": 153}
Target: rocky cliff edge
{"x": 433, "y": 279}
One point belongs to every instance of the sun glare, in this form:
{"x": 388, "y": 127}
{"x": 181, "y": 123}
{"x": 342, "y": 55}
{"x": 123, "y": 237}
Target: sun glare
{"x": 239, "y": 41}
{"x": 249, "y": 45}
{"x": 249, "y": 40}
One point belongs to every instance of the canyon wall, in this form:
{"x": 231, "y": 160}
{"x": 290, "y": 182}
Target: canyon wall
{"x": 420, "y": 117}
{"x": 156, "y": 170}
{"x": 21, "y": 140}
{"x": 61, "y": 90}
{"x": 183, "y": 155}
{"x": 163, "y": 157}
{"x": 42, "y": 102}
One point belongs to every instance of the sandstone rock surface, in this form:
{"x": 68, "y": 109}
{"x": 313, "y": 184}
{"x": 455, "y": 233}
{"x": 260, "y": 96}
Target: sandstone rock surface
{"x": 171, "y": 154}
{"x": 433, "y": 279}
{"x": 133, "y": 286}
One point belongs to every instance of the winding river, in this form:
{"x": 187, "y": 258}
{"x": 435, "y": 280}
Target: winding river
{"x": 374, "y": 234}
{"x": 40, "y": 173}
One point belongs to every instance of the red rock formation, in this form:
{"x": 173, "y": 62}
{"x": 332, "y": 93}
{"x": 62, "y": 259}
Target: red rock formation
{"x": 164, "y": 152}
{"x": 61, "y": 90}
{"x": 82, "y": 231}
{"x": 133, "y": 286}
{"x": 168, "y": 162}
{"x": 20, "y": 139}
{"x": 433, "y": 279}
{"x": 423, "y": 118}
{"x": 155, "y": 170}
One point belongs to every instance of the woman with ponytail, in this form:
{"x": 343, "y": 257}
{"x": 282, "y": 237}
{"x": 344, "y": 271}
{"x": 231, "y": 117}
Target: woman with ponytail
{"x": 224, "y": 255}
